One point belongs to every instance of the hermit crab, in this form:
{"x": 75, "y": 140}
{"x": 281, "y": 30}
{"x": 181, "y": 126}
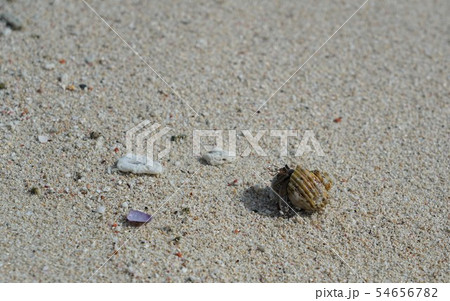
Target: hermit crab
{"x": 307, "y": 190}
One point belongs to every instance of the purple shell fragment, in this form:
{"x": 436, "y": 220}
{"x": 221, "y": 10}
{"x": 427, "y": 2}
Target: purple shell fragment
{"x": 137, "y": 216}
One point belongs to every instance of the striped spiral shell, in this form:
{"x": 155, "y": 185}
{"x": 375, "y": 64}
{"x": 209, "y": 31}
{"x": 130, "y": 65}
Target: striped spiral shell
{"x": 307, "y": 190}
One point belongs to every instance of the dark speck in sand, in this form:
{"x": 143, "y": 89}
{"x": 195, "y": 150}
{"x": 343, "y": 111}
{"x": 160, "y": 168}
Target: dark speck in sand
{"x": 35, "y": 191}
{"x": 95, "y": 135}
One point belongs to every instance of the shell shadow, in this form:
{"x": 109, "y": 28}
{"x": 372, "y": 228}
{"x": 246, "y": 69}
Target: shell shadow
{"x": 257, "y": 199}
{"x": 260, "y": 199}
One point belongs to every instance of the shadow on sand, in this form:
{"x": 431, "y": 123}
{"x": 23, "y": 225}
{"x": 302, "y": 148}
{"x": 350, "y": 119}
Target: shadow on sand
{"x": 260, "y": 199}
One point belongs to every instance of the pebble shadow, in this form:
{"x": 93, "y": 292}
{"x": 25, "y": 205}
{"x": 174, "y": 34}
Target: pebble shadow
{"x": 202, "y": 161}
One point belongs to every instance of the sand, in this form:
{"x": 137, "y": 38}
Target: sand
{"x": 63, "y": 204}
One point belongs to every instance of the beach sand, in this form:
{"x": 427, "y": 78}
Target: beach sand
{"x": 376, "y": 97}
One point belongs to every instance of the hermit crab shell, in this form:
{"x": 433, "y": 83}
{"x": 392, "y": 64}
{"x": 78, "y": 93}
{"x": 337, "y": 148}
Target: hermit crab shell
{"x": 305, "y": 189}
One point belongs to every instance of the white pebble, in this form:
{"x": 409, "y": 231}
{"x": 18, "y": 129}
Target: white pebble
{"x": 7, "y": 31}
{"x": 217, "y": 157}
{"x": 89, "y": 59}
{"x": 125, "y": 205}
{"x": 64, "y": 80}
{"x": 49, "y": 66}
{"x": 43, "y": 139}
{"x": 101, "y": 209}
{"x": 139, "y": 165}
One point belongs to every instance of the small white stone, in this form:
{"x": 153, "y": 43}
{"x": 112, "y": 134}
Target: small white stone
{"x": 49, "y": 66}
{"x": 89, "y": 59}
{"x": 218, "y": 157}
{"x": 7, "y": 31}
{"x": 201, "y": 43}
{"x": 100, "y": 144}
{"x": 101, "y": 209}
{"x": 43, "y": 139}
{"x": 63, "y": 79}
{"x": 125, "y": 205}
{"x": 139, "y": 165}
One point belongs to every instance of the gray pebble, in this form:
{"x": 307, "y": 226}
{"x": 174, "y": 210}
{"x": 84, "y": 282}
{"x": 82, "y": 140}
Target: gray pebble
{"x": 89, "y": 59}
{"x": 101, "y": 209}
{"x": 11, "y": 21}
{"x": 63, "y": 79}
{"x": 261, "y": 248}
{"x": 6, "y": 32}
{"x": 218, "y": 157}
